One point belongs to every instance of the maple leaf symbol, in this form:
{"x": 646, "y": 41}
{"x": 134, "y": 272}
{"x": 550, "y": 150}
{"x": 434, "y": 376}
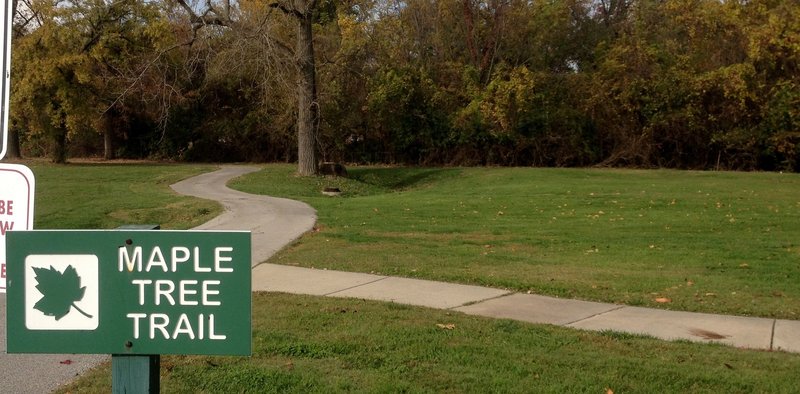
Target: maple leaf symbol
{"x": 60, "y": 290}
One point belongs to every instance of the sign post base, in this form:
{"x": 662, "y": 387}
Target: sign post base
{"x": 135, "y": 373}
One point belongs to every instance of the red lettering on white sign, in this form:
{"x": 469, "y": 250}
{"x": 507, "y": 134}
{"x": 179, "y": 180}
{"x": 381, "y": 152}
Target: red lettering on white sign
{"x": 16, "y": 207}
{"x": 6, "y": 226}
{"x": 6, "y": 207}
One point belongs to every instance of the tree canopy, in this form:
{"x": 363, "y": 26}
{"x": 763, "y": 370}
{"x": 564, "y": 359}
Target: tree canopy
{"x": 685, "y": 84}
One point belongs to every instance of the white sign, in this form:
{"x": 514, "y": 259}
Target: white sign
{"x": 6, "y": 21}
{"x": 61, "y": 292}
{"x": 16, "y": 207}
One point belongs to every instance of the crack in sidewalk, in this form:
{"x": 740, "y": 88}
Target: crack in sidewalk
{"x": 481, "y": 301}
{"x": 772, "y": 335}
{"x": 356, "y": 286}
{"x": 594, "y": 315}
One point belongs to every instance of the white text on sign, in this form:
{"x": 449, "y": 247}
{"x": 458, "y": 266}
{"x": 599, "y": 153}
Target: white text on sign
{"x": 178, "y": 255}
{"x": 168, "y": 292}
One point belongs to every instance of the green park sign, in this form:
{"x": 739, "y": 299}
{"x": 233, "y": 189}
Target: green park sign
{"x": 129, "y": 292}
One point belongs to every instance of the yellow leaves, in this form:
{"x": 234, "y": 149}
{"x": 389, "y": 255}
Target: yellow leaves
{"x": 664, "y": 296}
{"x": 509, "y": 96}
{"x": 354, "y": 33}
{"x": 349, "y": 27}
{"x": 596, "y": 215}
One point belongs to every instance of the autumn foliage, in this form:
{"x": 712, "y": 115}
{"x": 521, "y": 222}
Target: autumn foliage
{"x": 685, "y": 84}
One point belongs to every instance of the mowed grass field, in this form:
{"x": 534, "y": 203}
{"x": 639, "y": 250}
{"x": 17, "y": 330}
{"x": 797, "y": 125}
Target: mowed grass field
{"x": 304, "y": 344}
{"x": 720, "y": 242}
{"x": 103, "y": 196}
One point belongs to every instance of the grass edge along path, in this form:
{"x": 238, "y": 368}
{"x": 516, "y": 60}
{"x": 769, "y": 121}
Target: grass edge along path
{"x": 107, "y": 195}
{"x": 308, "y": 344}
{"x": 715, "y": 242}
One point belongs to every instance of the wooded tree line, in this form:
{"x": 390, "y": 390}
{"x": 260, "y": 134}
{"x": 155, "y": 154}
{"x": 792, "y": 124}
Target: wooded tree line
{"x": 679, "y": 83}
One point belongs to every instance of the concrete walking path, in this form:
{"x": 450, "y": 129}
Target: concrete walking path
{"x": 274, "y": 222}
{"x": 281, "y": 221}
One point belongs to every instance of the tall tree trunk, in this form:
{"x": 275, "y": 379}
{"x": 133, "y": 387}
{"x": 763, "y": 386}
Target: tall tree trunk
{"x": 12, "y": 150}
{"x": 484, "y": 58}
{"x": 59, "y": 154}
{"x": 108, "y": 145}
{"x": 307, "y": 106}
{"x": 469, "y": 19}
{"x": 302, "y": 11}
{"x": 108, "y": 136}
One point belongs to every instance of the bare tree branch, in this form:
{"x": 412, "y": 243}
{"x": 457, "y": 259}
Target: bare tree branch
{"x": 286, "y": 10}
{"x": 139, "y": 77}
{"x": 209, "y": 17}
{"x": 271, "y": 40}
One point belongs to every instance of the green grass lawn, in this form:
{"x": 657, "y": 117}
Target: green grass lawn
{"x": 718, "y": 242}
{"x": 306, "y": 344}
{"x": 101, "y": 196}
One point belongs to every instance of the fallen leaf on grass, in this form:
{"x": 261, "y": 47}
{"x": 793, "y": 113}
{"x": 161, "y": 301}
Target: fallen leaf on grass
{"x": 609, "y": 391}
{"x": 662, "y": 300}
{"x": 449, "y": 326}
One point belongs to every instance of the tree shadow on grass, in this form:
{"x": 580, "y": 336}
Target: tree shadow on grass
{"x": 401, "y": 178}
